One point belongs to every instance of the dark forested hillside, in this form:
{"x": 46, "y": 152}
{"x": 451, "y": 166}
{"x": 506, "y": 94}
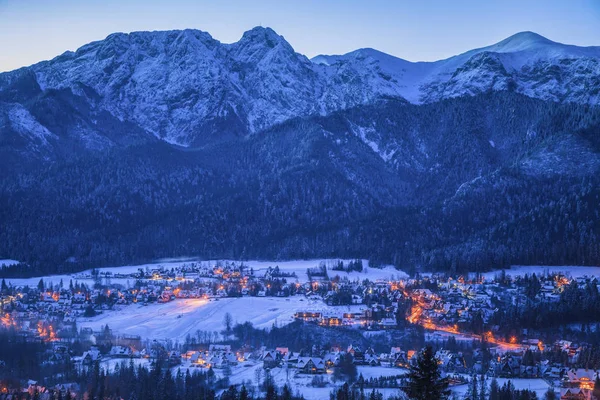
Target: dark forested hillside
{"x": 467, "y": 183}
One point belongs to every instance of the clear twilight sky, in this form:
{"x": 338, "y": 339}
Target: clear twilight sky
{"x": 424, "y": 30}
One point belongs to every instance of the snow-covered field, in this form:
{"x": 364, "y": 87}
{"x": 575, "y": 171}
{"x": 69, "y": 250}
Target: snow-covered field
{"x": 298, "y": 267}
{"x": 573, "y": 271}
{"x": 246, "y": 372}
{"x": 539, "y": 386}
{"x": 376, "y": 372}
{"x": 281, "y": 376}
{"x": 178, "y": 318}
{"x": 8, "y": 262}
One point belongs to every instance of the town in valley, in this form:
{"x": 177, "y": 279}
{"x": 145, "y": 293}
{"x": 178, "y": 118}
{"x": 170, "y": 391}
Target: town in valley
{"x": 334, "y": 322}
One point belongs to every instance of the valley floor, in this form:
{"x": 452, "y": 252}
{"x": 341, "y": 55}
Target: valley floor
{"x": 297, "y": 267}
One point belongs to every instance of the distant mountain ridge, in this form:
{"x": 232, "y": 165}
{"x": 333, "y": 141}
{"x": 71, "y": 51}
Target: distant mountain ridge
{"x": 187, "y": 88}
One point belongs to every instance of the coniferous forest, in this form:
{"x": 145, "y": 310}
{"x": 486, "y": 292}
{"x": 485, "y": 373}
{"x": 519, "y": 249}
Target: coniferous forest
{"x": 468, "y": 183}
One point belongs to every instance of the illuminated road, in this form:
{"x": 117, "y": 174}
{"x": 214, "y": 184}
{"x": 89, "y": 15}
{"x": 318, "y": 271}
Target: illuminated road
{"x": 416, "y": 317}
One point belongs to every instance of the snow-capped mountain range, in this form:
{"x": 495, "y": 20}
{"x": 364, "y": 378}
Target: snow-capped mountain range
{"x": 157, "y": 144}
{"x": 185, "y": 87}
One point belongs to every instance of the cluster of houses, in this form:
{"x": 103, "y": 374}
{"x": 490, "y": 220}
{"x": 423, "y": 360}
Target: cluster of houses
{"x": 374, "y": 317}
{"x": 451, "y": 304}
{"x": 57, "y": 307}
{"x": 313, "y": 362}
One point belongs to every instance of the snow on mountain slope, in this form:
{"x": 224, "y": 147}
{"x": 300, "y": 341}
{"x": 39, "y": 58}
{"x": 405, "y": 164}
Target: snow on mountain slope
{"x": 378, "y": 71}
{"x": 525, "y": 62}
{"x": 530, "y": 46}
{"x": 23, "y": 122}
{"x": 20, "y": 129}
{"x": 273, "y": 82}
{"x": 187, "y": 88}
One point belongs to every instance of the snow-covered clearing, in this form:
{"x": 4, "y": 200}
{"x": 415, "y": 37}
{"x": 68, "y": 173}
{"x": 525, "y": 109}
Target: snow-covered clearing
{"x": 178, "y": 318}
{"x": 298, "y": 382}
{"x": 246, "y": 372}
{"x": 376, "y": 372}
{"x": 299, "y": 267}
{"x": 570, "y": 270}
{"x": 8, "y": 262}
{"x": 539, "y": 386}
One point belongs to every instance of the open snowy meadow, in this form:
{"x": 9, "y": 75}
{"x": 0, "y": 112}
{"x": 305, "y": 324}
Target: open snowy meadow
{"x": 570, "y": 270}
{"x": 297, "y": 267}
{"x": 178, "y": 318}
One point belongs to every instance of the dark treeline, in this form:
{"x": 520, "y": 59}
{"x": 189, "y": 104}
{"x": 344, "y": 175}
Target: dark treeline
{"x": 346, "y": 392}
{"x": 508, "y": 392}
{"x": 130, "y": 382}
{"x": 155, "y": 383}
{"x": 22, "y": 359}
{"x": 447, "y": 199}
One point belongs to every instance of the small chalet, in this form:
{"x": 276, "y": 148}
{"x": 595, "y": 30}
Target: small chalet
{"x": 270, "y": 359}
{"x": 311, "y": 365}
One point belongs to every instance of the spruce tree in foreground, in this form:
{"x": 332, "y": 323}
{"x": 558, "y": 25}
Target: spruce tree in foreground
{"x": 424, "y": 380}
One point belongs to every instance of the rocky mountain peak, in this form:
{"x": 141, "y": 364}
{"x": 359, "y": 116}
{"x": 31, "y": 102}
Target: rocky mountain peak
{"x": 182, "y": 85}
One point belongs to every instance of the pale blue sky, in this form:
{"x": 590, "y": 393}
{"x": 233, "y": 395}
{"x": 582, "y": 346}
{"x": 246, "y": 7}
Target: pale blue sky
{"x": 35, "y": 30}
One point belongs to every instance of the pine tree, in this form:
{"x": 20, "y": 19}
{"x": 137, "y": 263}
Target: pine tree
{"x": 346, "y": 370}
{"x": 494, "y": 390}
{"x": 101, "y": 387}
{"x": 551, "y": 394}
{"x": 244, "y": 393}
{"x": 483, "y": 392}
{"x": 343, "y": 393}
{"x": 375, "y": 395}
{"x": 286, "y": 393}
{"x": 271, "y": 393}
{"x": 472, "y": 389}
{"x": 425, "y": 381}
{"x": 268, "y": 380}
{"x": 230, "y": 394}
{"x": 188, "y": 385}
